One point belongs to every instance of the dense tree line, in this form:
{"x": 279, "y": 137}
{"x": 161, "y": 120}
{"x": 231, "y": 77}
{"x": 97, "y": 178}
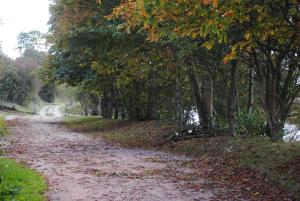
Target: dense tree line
{"x": 15, "y": 83}
{"x": 233, "y": 63}
{"x": 18, "y": 77}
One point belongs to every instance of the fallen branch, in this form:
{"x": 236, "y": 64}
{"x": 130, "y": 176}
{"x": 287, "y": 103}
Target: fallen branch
{"x": 196, "y": 132}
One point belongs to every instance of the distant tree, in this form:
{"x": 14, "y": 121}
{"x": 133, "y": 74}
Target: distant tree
{"x": 31, "y": 59}
{"x": 33, "y": 40}
{"x": 47, "y": 92}
{"x": 15, "y": 85}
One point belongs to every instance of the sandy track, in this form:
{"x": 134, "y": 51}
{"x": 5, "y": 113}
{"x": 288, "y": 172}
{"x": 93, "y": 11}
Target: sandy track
{"x": 78, "y": 167}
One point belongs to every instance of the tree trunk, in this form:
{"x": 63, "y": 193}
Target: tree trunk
{"x": 116, "y": 113}
{"x": 250, "y": 91}
{"x": 99, "y": 105}
{"x": 134, "y": 110}
{"x": 196, "y": 92}
{"x": 275, "y": 129}
{"x": 232, "y": 101}
{"x": 207, "y": 99}
{"x": 106, "y": 106}
{"x": 152, "y": 98}
{"x": 178, "y": 100}
{"x": 272, "y": 106}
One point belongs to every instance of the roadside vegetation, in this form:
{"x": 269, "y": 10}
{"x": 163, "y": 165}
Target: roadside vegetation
{"x": 17, "y": 182}
{"x": 255, "y": 159}
{"x": 3, "y": 128}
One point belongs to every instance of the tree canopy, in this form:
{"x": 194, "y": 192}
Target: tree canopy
{"x": 145, "y": 60}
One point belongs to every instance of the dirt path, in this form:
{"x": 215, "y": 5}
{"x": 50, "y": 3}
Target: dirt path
{"x": 78, "y": 167}
{"x": 51, "y": 110}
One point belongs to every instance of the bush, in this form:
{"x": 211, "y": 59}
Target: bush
{"x": 47, "y": 93}
{"x": 254, "y": 124}
{"x": 15, "y": 85}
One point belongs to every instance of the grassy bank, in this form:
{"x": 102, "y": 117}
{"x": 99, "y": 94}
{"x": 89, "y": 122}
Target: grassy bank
{"x": 17, "y": 182}
{"x": 10, "y": 107}
{"x": 3, "y": 128}
{"x": 277, "y": 163}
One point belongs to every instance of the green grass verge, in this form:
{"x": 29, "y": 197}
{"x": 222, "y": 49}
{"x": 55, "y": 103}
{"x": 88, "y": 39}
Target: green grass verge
{"x": 139, "y": 134}
{"x": 89, "y": 124}
{"x": 279, "y": 162}
{"x": 3, "y": 128}
{"x": 19, "y": 183}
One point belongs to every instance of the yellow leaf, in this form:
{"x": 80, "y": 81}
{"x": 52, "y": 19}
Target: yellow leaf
{"x": 208, "y": 44}
{"x": 247, "y": 35}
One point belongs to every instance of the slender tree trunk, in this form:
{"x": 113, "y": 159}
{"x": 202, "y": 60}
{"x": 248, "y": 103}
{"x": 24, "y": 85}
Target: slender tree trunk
{"x": 134, "y": 110}
{"x": 178, "y": 101}
{"x": 152, "y": 98}
{"x": 123, "y": 114}
{"x": 99, "y": 105}
{"x": 116, "y": 113}
{"x": 196, "y": 92}
{"x": 250, "y": 90}
{"x": 232, "y": 101}
{"x": 106, "y": 106}
{"x": 272, "y": 106}
{"x": 207, "y": 99}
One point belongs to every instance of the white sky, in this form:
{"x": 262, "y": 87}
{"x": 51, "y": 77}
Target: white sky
{"x": 18, "y": 16}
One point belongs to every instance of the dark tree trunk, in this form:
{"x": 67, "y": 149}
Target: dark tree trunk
{"x": 116, "y": 113}
{"x": 178, "y": 100}
{"x": 106, "y": 106}
{"x": 207, "y": 99}
{"x": 152, "y": 98}
{"x": 134, "y": 110}
{"x": 250, "y": 90}
{"x": 123, "y": 114}
{"x": 94, "y": 101}
{"x": 203, "y": 98}
{"x": 232, "y": 100}
{"x": 195, "y": 85}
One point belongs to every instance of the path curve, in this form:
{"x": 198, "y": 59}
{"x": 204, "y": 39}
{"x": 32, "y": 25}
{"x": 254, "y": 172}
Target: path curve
{"x": 51, "y": 110}
{"x": 80, "y": 168}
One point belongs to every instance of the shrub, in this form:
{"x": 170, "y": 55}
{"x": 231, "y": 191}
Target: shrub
{"x": 254, "y": 124}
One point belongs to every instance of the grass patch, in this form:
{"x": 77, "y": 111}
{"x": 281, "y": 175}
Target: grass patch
{"x": 19, "y": 183}
{"x": 10, "y": 107}
{"x": 3, "y": 128}
{"x": 16, "y": 181}
{"x": 90, "y": 124}
{"x": 278, "y": 162}
{"x": 138, "y": 134}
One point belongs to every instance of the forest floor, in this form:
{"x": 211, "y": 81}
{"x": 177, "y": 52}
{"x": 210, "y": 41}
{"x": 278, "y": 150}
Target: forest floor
{"x": 78, "y": 167}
